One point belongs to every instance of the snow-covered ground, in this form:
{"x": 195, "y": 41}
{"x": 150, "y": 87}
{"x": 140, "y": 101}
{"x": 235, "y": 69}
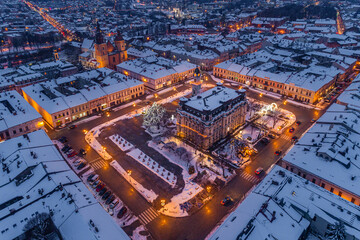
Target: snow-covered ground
{"x": 174, "y": 97}
{"x": 249, "y": 133}
{"x": 121, "y": 142}
{"x": 153, "y": 166}
{"x": 149, "y": 195}
{"x": 126, "y": 105}
{"x": 136, "y": 233}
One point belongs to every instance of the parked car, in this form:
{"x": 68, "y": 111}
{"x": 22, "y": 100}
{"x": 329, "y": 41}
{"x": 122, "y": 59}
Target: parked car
{"x": 291, "y": 130}
{"x": 73, "y": 126}
{"x": 114, "y": 204}
{"x": 72, "y": 154}
{"x": 82, "y": 152}
{"x": 278, "y": 152}
{"x": 81, "y": 166}
{"x": 65, "y": 147}
{"x": 313, "y": 120}
{"x": 294, "y": 138}
{"x": 110, "y": 199}
{"x": 259, "y": 170}
{"x": 106, "y": 195}
{"x": 298, "y": 123}
{"x": 121, "y": 212}
{"x": 99, "y": 187}
{"x": 90, "y": 177}
{"x": 102, "y": 191}
{"x": 94, "y": 184}
{"x": 68, "y": 150}
{"x": 63, "y": 139}
{"x": 226, "y": 201}
{"x": 271, "y": 136}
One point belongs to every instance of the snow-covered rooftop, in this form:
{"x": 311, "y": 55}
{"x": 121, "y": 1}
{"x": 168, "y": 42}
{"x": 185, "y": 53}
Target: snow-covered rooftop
{"x": 34, "y": 169}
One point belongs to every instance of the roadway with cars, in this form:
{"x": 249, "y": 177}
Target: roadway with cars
{"x": 198, "y": 225}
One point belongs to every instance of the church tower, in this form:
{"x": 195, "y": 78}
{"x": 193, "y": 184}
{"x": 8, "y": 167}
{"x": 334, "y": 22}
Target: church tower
{"x": 340, "y": 26}
{"x": 121, "y": 47}
{"x": 196, "y": 83}
{"x": 101, "y": 53}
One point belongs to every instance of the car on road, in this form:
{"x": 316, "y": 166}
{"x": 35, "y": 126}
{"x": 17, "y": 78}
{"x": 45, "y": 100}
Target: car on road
{"x": 81, "y": 166}
{"x": 110, "y": 199}
{"x": 63, "y": 139}
{"x": 82, "y": 152}
{"x": 114, "y": 204}
{"x": 278, "y": 152}
{"x": 313, "y": 120}
{"x": 294, "y": 139}
{"x": 106, "y": 195}
{"x": 73, "y": 126}
{"x": 72, "y": 154}
{"x": 121, "y": 212}
{"x": 102, "y": 191}
{"x": 291, "y": 130}
{"x": 259, "y": 170}
{"x": 99, "y": 187}
{"x": 226, "y": 201}
{"x": 298, "y": 123}
{"x": 265, "y": 140}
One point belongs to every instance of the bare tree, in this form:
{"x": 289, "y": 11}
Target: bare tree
{"x": 336, "y": 232}
{"x": 154, "y": 115}
{"x": 38, "y": 226}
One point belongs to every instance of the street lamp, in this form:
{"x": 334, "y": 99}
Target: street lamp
{"x": 129, "y": 174}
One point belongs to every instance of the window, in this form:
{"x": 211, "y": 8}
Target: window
{"x": 14, "y": 131}
{"x": 304, "y": 175}
{"x": 353, "y": 200}
{"x": 323, "y": 185}
{"x": 332, "y": 189}
{"x": 340, "y": 194}
{"x": 313, "y": 180}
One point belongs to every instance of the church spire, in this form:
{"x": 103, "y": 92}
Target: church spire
{"x": 99, "y": 39}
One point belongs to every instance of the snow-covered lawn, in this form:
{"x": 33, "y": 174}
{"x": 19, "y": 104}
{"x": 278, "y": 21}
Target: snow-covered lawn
{"x": 249, "y": 133}
{"x": 153, "y": 166}
{"x": 149, "y": 195}
{"x": 268, "y": 121}
{"x": 121, "y": 142}
{"x": 173, "y": 207}
{"x": 136, "y": 233}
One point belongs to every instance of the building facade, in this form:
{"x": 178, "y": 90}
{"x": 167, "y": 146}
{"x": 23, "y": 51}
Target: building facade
{"x": 108, "y": 54}
{"x": 210, "y": 116}
{"x": 64, "y": 100}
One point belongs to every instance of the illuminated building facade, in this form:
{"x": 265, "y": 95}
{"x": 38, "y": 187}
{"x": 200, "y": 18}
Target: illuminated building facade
{"x": 17, "y": 117}
{"x": 210, "y": 116}
{"x": 106, "y": 54}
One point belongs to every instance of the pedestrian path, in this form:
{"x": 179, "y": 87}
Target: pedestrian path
{"x": 249, "y": 177}
{"x": 286, "y": 137}
{"x": 148, "y": 215}
{"x": 99, "y": 164}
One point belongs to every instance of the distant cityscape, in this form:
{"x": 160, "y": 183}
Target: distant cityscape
{"x": 189, "y": 120}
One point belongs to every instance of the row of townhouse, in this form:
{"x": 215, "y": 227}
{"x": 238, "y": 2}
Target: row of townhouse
{"x": 61, "y": 101}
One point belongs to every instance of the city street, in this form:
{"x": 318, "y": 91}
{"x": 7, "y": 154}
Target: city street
{"x": 163, "y": 227}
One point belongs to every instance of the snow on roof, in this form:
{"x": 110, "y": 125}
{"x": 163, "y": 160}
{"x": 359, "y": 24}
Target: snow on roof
{"x": 279, "y": 207}
{"x": 63, "y": 93}
{"x": 35, "y": 169}
{"x": 332, "y": 143}
{"x": 14, "y": 110}
{"x": 213, "y": 98}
